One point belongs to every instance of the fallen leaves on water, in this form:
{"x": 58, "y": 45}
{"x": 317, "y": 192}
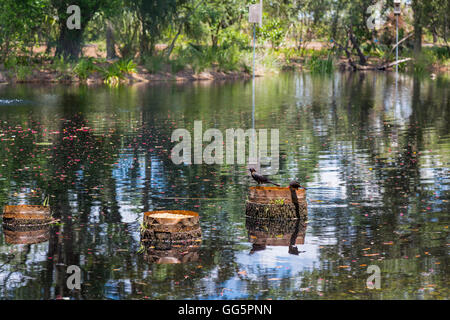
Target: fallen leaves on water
{"x": 371, "y": 254}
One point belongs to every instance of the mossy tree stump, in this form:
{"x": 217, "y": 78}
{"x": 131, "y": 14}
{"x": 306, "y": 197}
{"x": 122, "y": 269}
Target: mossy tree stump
{"x": 276, "y": 203}
{"x": 170, "y": 226}
{"x": 26, "y": 215}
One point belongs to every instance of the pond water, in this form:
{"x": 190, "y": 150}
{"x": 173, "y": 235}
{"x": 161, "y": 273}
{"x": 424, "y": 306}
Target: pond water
{"x": 374, "y": 153}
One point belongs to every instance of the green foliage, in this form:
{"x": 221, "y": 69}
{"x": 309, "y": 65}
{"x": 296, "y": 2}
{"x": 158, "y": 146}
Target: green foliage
{"x": 23, "y": 73}
{"x": 155, "y": 63}
{"x": 219, "y": 15}
{"x": 269, "y": 60}
{"x": 84, "y": 68}
{"x": 154, "y": 16}
{"x": 290, "y": 54}
{"x": 61, "y": 65}
{"x": 231, "y": 37}
{"x": 126, "y": 33}
{"x": 201, "y": 58}
{"x": 209, "y": 34}
{"x": 126, "y": 66}
{"x": 20, "y": 23}
{"x": 272, "y": 31}
{"x": 113, "y": 73}
{"x": 441, "y": 53}
{"x": 318, "y": 64}
{"x": 423, "y": 62}
{"x": 277, "y": 201}
{"x": 46, "y": 201}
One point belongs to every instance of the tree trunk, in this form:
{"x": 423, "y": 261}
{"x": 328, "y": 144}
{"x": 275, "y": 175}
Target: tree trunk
{"x": 418, "y": 27}
{"x": 110, "y": 42}
{"x": 214, "y": 41}
{"x": 69, "y": 43}
{"x": 417, "y": 39}
{"x": 146, "y": 45}
{"x": 354, "y": 41}
{"x": 172, "y": 45}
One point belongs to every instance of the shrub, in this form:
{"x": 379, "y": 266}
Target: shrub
{"x": 318, "y": 64}
{"x": 155, "y": 63}
{"x": 84, "y": 68}
{"x": 126, "y": 66}
{"x": 23, "y": 73}
{"x": 272, "y": 31}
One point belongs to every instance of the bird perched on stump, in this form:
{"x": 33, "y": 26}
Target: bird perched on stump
{"x": 296, "y": 185}
{"x": 261, "y": 179}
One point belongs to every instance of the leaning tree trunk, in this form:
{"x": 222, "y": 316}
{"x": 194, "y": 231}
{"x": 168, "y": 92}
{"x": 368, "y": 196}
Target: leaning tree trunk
{"x": 69, "y": 43}
{"x": 354, "y": 41}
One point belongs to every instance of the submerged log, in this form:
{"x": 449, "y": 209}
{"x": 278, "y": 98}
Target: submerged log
{"x": 26, "y": 234}
{"x": 276, "y": 203}
{"x": 26, "y": 215}
{"x": 170, "y": 226}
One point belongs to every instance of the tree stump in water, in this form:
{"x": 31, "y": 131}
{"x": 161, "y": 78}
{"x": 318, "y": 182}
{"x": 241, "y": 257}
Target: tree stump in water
{"x": 26, "y": 234}
{"x": 276, "y": 203}
{"x": 26, "y": 215}
{"x": 171, "y": 226}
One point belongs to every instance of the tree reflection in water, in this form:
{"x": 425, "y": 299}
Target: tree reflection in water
{"x": 375, "y": 163}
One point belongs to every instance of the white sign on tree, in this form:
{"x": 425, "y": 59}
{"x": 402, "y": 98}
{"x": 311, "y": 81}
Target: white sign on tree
{"x": 255, "y": 13}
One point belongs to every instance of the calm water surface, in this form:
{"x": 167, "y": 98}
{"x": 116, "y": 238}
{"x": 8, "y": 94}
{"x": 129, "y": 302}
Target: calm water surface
{"x": 374, "y": 154}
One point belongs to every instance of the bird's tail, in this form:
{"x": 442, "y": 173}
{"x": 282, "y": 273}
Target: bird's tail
{"x": 273, "y": 183}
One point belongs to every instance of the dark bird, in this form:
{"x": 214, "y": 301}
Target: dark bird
{"x": 296, "y": 185}
{"x": 261, "y": 179}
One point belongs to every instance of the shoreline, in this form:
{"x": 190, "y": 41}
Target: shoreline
{"x": 141, "y": 75}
